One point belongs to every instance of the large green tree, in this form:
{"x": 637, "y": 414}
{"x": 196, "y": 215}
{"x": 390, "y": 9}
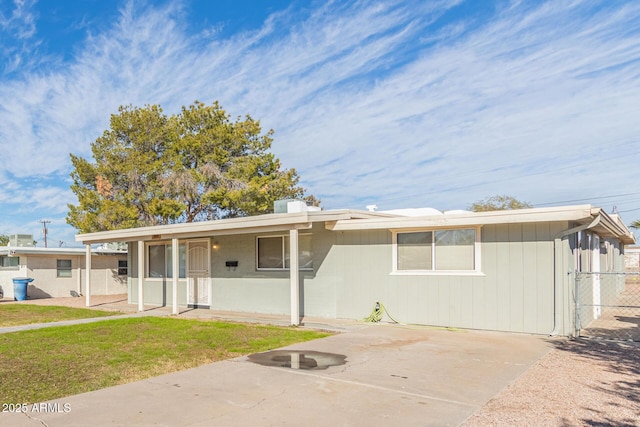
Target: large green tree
{"x": 150, "y": 169}
{"x": 498, "y": 203}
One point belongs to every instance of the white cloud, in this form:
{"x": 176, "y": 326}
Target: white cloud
{"x": 398, "y": 103}
{"x": 17, "y": 28}
{"x": 20, "y": 20}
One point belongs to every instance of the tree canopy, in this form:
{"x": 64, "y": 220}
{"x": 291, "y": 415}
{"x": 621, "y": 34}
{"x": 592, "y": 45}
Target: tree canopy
{"x": 635, "y": 224}
{"x": 151, "y": 169}
{"x": 4, "y": 239}
{"x": 498, "y": 203}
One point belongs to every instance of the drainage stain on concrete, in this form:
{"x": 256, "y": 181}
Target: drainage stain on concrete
{"x": 298, "y": 359}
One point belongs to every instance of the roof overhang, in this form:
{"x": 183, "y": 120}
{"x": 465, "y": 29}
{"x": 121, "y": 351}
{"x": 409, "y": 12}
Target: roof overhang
{"x": 608, "y": 226}
{"x": 612, "y": 226}
{"x": 347, "y": 220}
{"x": 231, "y": 226}
{"x": 34, "y": 250}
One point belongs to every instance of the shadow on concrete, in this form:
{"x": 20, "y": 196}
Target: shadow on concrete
{"x": 123, "y": 300}
{"x": 34, "y": 292}
{"x": 619, "y": 357}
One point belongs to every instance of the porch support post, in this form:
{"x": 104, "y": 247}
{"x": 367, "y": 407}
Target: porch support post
{"x": 87, "y": 272}
{"x": 176, "y": 274}
{"x": 294, "y": 277}
{"x": 141, "y": 267}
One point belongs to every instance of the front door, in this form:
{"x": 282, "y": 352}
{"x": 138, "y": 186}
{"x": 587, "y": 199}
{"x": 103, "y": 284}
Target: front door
{"x": 198, "y": 264}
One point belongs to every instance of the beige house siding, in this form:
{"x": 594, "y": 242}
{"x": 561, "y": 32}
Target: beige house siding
{"x": 46, "y": 284}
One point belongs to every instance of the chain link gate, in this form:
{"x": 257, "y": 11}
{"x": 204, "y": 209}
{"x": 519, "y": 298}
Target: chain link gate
{"x": 607, "y": 305}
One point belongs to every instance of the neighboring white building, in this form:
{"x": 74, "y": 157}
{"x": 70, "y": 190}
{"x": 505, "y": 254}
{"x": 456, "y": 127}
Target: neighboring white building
{"x": 632, "y": 258}
{"x": 60, "y": 272}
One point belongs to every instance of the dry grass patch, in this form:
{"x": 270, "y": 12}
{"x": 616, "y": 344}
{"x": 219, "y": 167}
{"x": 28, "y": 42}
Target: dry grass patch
{"x": 50, "y": 363}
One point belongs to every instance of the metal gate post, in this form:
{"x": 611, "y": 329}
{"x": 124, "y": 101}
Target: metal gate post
{"x": 577, "y": 305}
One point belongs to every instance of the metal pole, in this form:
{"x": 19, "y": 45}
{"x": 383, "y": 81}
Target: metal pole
{"x": 175, "y": 262}
{"x": 294, "y": 277}
{"x": 87, "y": 290}
{"x": 576, "y": 281}
{"x": 141, "y": 268}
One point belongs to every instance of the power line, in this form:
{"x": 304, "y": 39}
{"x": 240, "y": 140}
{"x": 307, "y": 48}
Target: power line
{"x": 629, "y": 210}
{"x": 587, "y": 199}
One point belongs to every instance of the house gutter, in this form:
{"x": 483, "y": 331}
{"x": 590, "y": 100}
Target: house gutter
{"x": 558, "y": 275}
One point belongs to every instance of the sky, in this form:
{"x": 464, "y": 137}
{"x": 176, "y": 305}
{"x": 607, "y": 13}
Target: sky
{"x": 400, "y": 104}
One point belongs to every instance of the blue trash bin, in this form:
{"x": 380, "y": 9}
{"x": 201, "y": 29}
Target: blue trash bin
{"x": 20, "y": 287}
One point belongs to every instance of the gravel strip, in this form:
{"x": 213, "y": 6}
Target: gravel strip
{"x": 578, "y": 383}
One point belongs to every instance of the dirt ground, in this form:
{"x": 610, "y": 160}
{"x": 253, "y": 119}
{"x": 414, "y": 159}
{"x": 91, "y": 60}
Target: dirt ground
{"x": 578, "y": 383}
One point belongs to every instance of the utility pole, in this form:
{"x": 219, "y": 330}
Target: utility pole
{"x": 44, "y": 230}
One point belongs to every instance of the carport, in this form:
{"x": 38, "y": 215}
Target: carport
{"x": 297, "y": 219}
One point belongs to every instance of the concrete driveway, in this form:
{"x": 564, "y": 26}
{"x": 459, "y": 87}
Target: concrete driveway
{"x": 394, "y": 375}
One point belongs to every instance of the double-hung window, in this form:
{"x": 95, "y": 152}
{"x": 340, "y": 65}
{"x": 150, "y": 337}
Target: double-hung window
{"x": 9, "y": 262}
{"x": 122, "y": 267}
{"x": 159, "y": 264}
{"x": 273, "y": 252}
{"x": 453, "y": 250}
{"x": 63, "y": 267}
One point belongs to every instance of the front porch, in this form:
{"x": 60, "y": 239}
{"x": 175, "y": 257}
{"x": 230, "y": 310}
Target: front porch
{"x": 178, "y": 261}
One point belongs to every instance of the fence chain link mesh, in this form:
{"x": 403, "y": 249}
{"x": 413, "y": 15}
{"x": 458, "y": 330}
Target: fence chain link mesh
{"x": 608, "y": 305}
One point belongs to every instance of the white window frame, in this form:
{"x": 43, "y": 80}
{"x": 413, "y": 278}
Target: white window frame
{"x": 147, "y": 258}
{"x": 11, "y": 267}
{"x": 283, "y": 238}
{"x": 476, "y": 271}
{"x": 68, "y": 272}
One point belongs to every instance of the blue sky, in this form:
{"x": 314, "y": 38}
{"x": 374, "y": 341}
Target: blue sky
{"x": 394, "y": 103}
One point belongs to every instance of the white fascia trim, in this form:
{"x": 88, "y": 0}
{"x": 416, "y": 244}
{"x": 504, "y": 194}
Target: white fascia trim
{"x": 244, "y": 225}
{"x": 199, "y": 229}
{"x": 459, "y": 220}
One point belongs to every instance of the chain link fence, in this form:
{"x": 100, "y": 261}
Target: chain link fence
{"x": 608, "y": 305}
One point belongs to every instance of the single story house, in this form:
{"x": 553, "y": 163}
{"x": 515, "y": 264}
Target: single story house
{"x": 60, "y": 272}
{"x": 501, "y": 270}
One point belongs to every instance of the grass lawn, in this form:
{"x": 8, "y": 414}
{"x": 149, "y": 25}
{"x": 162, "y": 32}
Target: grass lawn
{"x": 23, "y": 314}
{"x": 50, "y": 363}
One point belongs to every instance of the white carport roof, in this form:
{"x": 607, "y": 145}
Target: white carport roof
{"x": 35, "y": 250}
{"x": 341, "y": 220}
{"x": 244, "y": 225}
